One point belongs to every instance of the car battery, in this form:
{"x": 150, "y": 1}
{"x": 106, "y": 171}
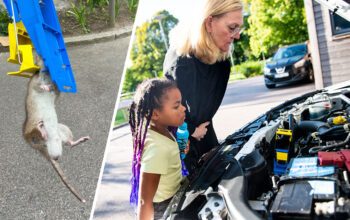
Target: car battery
{"x": 338, "y": 158}
{"x": 295, "y": 200}
{"x": 307, "y": 167}
{"x": 282, "y": 149}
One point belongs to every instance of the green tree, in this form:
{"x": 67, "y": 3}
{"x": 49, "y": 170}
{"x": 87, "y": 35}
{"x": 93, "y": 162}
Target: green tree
{"x": 148, "y": 50}
{"x": 242, "y": 52}
{"x": 4, "y": 21}
{"x": 274, "y": 23}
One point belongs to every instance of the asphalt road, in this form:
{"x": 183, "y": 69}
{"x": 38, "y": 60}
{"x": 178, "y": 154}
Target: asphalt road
{"x": 29, "y": 187}
{"x": 243, "y": 102}
{"x": 247, "y": 99}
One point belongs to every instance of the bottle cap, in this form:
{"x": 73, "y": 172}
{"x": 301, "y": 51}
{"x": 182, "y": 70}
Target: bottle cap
{"x": 183, "y": 126}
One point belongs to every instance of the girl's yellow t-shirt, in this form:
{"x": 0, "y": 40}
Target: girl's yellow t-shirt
{"x": 161, "y": 156}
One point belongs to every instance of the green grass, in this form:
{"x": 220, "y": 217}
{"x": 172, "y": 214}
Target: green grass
{"x": 234, "y": 76}
{"x": 246, "y": 70}
{"x": 121, "y": 118}
{"x": 127, "y": 96}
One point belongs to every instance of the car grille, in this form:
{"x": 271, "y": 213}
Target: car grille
{"x": 287, "y": 69}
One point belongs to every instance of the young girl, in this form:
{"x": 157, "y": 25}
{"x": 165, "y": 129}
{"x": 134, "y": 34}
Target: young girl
{"x": 156, "y": 165}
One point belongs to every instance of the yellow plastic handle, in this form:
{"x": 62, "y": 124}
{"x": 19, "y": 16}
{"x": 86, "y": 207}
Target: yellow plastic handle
{"x": 24, "y": 51}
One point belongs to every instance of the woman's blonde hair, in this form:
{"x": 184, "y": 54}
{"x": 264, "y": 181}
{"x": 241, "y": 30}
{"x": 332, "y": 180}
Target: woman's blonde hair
{"x": 191, "y": 38}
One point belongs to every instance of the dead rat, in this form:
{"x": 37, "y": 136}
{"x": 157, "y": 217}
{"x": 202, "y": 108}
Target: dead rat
{"x": 41, "y": 128}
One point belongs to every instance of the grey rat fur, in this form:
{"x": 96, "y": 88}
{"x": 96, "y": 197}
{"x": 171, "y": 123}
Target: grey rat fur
{"x": 41, "y": 128}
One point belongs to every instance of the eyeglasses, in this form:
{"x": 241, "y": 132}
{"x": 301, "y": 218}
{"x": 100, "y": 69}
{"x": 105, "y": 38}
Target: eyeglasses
{"x": 235, "y": 30}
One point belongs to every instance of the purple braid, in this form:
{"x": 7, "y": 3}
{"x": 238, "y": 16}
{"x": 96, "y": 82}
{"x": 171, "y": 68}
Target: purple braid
{"x": 136, "y": 166}
{"x": 146, "y": 99}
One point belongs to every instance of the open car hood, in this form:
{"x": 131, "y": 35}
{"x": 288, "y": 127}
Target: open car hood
{"x": 283, "y": 165}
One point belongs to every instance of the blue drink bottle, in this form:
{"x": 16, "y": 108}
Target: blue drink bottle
{"x": 182, "y": 135}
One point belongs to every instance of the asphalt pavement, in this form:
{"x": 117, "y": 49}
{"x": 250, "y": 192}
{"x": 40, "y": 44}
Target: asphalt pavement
{"x": 29, "y": 187}
{"x": 247, "y": 99}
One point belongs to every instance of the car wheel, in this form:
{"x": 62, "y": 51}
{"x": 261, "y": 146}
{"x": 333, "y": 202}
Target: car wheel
{"x": 270, "y": 86}
{"x": 311, "y": 77}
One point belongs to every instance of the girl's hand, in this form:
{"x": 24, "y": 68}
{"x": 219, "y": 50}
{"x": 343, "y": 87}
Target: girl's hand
{"x": 200, "y": 131}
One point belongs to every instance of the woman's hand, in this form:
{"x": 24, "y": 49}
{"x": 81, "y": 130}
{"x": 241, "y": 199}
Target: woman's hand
{"x": 187, "y": 146}
{"x": 200, "y": 131}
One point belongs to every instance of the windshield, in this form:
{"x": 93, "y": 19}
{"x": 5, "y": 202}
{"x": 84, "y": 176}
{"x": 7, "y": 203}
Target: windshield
{"x": 288, "y": 52}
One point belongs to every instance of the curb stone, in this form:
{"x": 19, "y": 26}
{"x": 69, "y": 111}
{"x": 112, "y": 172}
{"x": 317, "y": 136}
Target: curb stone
{"x": 90, "y": 38}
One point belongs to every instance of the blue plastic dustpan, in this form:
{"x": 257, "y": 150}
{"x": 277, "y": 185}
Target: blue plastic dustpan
{"x": 41, "y": 22}
{"x": 9, "y": 9}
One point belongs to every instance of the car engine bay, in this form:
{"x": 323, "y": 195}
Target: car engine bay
{"x": 293, "y": 162}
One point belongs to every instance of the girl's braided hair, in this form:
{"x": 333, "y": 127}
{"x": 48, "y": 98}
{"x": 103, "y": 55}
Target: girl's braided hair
{"x": 147, "y": 98}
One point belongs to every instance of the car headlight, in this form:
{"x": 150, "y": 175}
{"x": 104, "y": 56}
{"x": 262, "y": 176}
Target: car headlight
{"x": 267, "y": 71}
{"x": 299, "y": 64}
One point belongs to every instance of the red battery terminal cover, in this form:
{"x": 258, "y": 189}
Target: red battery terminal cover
{"x": 338, "y": 158}
{"x": 346, "y": 154}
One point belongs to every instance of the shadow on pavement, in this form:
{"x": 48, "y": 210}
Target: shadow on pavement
{"x": 110, "y": 208}
{"x": 116, "y": 173}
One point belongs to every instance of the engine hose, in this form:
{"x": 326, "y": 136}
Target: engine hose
{"x": 311, "y": 126}
{"x": 309, "y": 139}
{"x": 305, "y": 127}
{"x": 314, "y": 150}
{"x": 339, "y": 129}
{"x": 291, "y": 122}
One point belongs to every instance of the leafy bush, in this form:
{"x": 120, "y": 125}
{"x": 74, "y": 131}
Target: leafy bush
{"x": 117, "y": 7}
{"x": 121, "y": 117}
{"x": 132, "y": 6}
{"x": 4, "y": 21}
{"x": 96, "y": 3}
{"x": 250, "y": 68}
{"x": 79, "y": 12}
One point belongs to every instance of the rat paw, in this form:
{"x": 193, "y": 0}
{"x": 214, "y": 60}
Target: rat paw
{"x": 79, "y": 141}
{"x": 86, "y": 138}
{"x": 46, "y": 88}
{"x": 42, "y": 130}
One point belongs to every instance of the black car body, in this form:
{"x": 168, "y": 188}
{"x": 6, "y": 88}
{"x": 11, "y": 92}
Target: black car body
{"x": 292, "y": 162}
{"x": 289, "y": 64}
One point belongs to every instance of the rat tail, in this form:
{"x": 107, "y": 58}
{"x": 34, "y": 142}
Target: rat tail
{"x": 58, "y": 169}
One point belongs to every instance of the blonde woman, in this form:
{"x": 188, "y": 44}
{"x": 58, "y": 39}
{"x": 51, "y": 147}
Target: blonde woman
{"x": 198, "y": 61}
